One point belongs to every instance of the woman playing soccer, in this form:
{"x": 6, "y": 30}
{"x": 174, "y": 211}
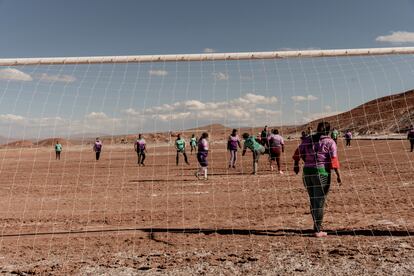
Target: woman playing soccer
{"x": 140, "y": 148}
{"x": 319, "y": 153}
{"x": 233, "y": 144}
{"x": 97, "y": 148}
{"x": 193, "y": 143}
{"x": 257, "y": 149}
{"x": 180, "y": 147}
{"x": 276, "y": 147}
{"x": 202, "y": 156}
{"x": 58, "y": 150}
{"x": 348, "y": 138}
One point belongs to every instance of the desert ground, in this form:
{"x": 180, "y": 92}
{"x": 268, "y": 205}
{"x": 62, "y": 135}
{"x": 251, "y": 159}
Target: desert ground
{"x": 79, "y": 216}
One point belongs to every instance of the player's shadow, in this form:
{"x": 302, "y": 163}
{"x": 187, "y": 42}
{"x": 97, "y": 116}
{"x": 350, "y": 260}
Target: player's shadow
{"x": 284, "y": 232}
{"x": 209, "y": 231}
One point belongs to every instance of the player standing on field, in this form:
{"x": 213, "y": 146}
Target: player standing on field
{"x": 140, "y": 148}
{"x": 334, "y": 135}
{"x": 257, "y": 149}
{"x": 276, "y": 147}
{"x": 180, "y": 147}
{"x": 97, "y": 148}
{"x": 58, "y": 150}
{"x": 193, "y": 143}
{"x": 233, "y": 143}
{"x": 319, "y": 153}
{"x": 348, "y": 138}
{"x": 202, "y": 154}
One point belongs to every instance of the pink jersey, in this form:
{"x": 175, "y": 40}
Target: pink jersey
{"x": 275, "y": 140}
{"x": 233, "y": 142}
{"x": 317, "y": 154}
{"x": 140, "y": 143}
{"x": 202, "y": 145}
{"x": 97, "y": 146}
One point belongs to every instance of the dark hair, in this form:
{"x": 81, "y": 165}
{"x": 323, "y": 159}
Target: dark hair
{"x": 204, "y": 135}
{"x": 275, "y": 131}
{"x": 246, "y": 135}
{"x": 193, "y": 135}
{"x": 324, "y": 128}
{"x": 139, "y": 135}
{"x": 234, "y": 131}
{"x": 303, "y": 133}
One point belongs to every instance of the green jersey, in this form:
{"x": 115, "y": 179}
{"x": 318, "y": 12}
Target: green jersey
{"x": 252, "y": 144}
{"x": 180, "y": 144}
{"x": 58, "y": 147}
{"x": 193, "y": 141}
{"x": 334, "y": 134}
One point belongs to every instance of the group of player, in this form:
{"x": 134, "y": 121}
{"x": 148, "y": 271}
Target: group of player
{"x": 317, "y": 150}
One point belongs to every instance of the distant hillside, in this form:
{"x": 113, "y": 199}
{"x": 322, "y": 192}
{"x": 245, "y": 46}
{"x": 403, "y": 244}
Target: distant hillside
{"x": 390, "y": 114}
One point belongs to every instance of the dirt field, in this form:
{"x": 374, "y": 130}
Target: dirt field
{"x": 79, "y": 216}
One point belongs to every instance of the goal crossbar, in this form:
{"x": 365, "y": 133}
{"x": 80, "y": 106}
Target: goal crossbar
{"x": 207, "y": 56}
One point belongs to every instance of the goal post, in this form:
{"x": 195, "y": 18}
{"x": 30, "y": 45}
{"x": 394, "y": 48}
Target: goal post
{"x": 208, "y": 56}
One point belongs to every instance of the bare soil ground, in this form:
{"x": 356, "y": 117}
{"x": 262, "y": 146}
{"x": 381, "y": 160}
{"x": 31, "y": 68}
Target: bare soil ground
{"x": 79, "y": 216}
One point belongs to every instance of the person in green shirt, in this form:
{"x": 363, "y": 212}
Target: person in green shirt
{"x": 58, "y": 150}
{"x": 193, "y": 144}
{"x": 180, "y": 147}
{"x": 334, "y": 135}
{"x": 257, "y": 149}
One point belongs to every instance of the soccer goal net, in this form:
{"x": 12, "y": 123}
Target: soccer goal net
{"x": 72, "y": 160}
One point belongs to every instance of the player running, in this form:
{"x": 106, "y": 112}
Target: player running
{"x": 193, "y": 144}
{"x": 348, "y": 138}
{"x": 410, "y": 136}
{"x": 319, "y": 153}
{"x": 97, "y": 148}
{"x": 276, "y": 147}
{"x": 202, "y": 156}
{"x": 233, "y": 143}
{"x": 140, "y": 147}
{"x": 58, "y": 150}
{"x": 180, "y": 147}
{"x": 334, "y": 135}
{"x": 257, "y": 149}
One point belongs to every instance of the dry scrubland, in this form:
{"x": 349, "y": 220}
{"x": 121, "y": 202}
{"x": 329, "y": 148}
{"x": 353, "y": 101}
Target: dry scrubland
{"x": 159, "y": 219}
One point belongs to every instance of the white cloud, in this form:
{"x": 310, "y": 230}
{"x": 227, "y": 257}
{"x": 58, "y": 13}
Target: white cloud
{"x": 14, "y": 74}
{"x": 56, "y": 78}
{"x": 209, "y": 50}
{"x": 399, "y": 37}
{"x": 221, "y": 76}
{"x": 159, "y": 73}
{"x": 195, "y": 105}
{"x": 171, "y": 117}
{"x": 11, "y": 118}
{"x": 96, "y": 116}
{"x": 304, "y": 98}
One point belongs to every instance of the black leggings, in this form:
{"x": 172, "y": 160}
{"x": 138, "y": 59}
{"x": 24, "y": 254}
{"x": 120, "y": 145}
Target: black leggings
{"x": 177, "y": 158}
{"x": 141, "y": 157}
{"x": 58, "y": 155}
{"x": 97, "y": 154}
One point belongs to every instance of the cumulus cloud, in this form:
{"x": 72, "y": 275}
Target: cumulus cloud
{"x": 14, "y": 75}
{"x": 220, "y": 76}
{"x": 399, "y": 37}
{"x": 209, "y": 50}
{"x": 248, "y": 108}
{"x": 56, "y": 78}
{"x": 307, "y": 98}
{"x": 11, "y": 118}
{"x": 158, "y": 73}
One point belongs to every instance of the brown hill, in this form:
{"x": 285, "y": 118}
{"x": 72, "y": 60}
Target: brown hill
{"x": 50, "y": 142}
{"x": 18, "y": 144}
{"x": 390, "y": 114}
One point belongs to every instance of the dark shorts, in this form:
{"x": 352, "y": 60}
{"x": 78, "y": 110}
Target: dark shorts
{"x": 275, "y": 153}
{"x": 202, "y": 158}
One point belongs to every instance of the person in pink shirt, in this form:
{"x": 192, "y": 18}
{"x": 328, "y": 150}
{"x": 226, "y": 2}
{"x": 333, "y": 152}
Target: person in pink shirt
{"x": 202, "y": 154}
{"x": 348, "y": 138}
{"x": 276, "y": 147}
{"x": 233, "y": 143}
{"x": 140, "y": 147}
{"x": 320, "y": 157}
{"x": 97, "y": 148}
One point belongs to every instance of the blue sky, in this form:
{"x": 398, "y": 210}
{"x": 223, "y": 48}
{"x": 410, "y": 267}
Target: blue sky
{"x": 38, "y": 101}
